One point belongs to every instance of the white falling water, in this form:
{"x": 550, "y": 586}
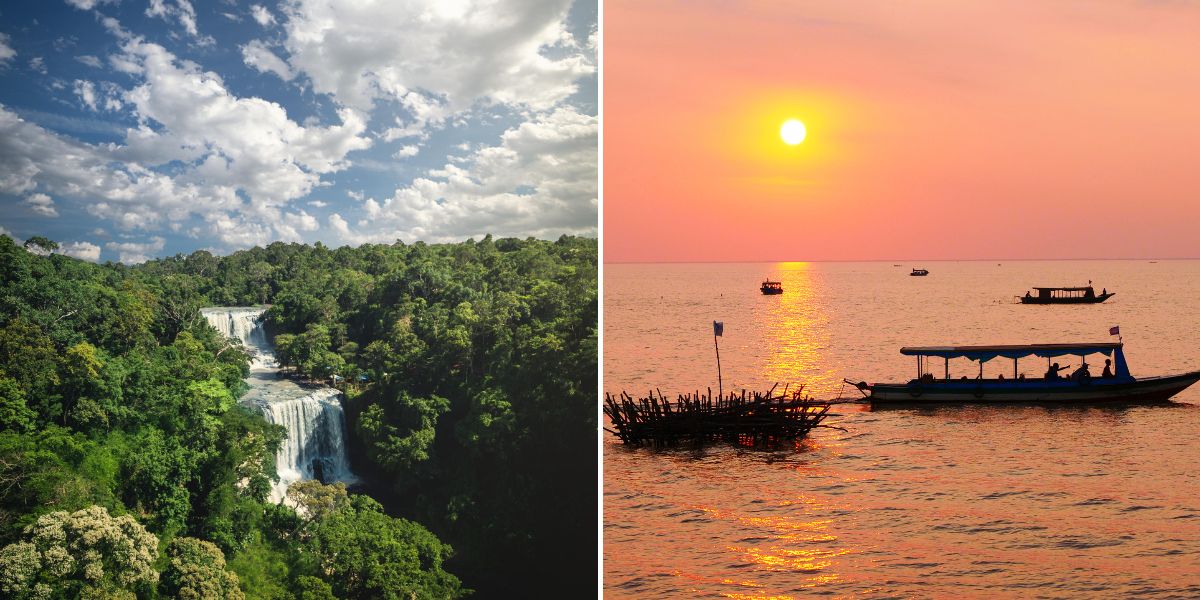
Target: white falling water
{"x": 315, "y": 446}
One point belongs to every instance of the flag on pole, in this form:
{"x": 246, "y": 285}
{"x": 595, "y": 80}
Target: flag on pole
{"x": 718, "y": 328}
{"x": 1115, "y": 330}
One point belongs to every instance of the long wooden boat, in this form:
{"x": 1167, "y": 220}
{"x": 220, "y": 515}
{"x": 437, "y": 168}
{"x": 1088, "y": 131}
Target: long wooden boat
{"x": 919, "y": 272}
{"x": 1066, "y": 295}
{"x": 1080, "y": 387}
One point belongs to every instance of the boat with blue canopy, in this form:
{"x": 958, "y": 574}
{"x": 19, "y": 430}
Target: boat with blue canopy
{"x": 934, "y": 382}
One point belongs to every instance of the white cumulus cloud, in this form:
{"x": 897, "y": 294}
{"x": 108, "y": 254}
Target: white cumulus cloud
{"x": 256, "y": 55}
{"x": 41, "y": 204}
{"x": 132, "y": 253}
{"x": 84, "y": 250}
{"x": 88, "y": 4}
{"x": 86, "y": 91}
{"x": 540, "y": 181}
{"x": 236, "y": 163}
{"x": 450, "y": 54}
{"x": 183, "y": 12}
{"x": 6, "y": 51}
{"x": 262, "y": 15}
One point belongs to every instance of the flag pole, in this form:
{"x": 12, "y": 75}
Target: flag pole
{"x": 717, "y": 327}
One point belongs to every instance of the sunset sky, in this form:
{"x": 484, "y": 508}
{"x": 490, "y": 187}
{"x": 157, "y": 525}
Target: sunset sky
{"x": 943, "y": 129}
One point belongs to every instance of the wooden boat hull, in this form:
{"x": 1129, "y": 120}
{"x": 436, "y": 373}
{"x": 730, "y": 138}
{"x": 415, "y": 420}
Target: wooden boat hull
{"x": 771, "y": 291}
{"x": 1092, "y": 300}
{"x": 1147, "y": 389}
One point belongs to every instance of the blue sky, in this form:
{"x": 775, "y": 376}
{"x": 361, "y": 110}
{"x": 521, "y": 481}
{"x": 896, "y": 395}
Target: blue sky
{"x": 131, "y": 129}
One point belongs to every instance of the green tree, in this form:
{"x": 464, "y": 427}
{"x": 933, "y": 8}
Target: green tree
{"x": 404, "y": 441}
{"x": 52, "y": 468}
{"x": 311, "y": 588}
{"x": 30, "y": 357}
{"x": 15, "y": 415}
{"x": 41, "y": 244}
{"x": 155, "y": 468}
{"x": 197, "y": 572}
{"x": 82, "y": 365}
{"x": 368, "y": 554}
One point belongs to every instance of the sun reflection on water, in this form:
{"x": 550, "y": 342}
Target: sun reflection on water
{"x": 756, "y": 597}
{"x": 802, "y": 545}
{"x": 796, "y": 332}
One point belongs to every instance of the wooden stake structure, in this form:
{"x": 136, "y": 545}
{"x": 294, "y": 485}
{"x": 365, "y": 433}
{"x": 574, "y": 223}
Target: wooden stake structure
{"x": 750, "y": 419}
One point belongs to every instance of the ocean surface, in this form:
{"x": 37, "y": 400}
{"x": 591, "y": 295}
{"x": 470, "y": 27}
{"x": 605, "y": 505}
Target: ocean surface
{"x": 916, "y": 502}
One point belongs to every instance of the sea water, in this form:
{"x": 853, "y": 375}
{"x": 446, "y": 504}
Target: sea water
{"x": 977, "y": 501}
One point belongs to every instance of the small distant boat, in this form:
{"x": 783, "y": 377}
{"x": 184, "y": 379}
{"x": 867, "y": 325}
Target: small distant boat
{"x": 1066, "y": 295}
{"x": 919, "y": 273}
{"x": 896, "y": 265}
{"x": 771, "y": 288}
{"x": 1080, "y": 386}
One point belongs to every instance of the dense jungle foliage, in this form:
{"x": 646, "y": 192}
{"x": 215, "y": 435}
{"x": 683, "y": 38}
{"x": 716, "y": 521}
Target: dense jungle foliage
{"x": 470, "y": 373}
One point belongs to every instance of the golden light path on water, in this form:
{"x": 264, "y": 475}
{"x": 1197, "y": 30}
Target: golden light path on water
{"x": 918, "y": 502}
{"x": 796, "y": 329}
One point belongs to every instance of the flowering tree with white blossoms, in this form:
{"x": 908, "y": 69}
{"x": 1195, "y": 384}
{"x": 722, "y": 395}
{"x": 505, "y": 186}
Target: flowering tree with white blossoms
{"x": 87, "y": 554}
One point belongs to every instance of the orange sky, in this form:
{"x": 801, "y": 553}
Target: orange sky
{"x": 941, "y": 129}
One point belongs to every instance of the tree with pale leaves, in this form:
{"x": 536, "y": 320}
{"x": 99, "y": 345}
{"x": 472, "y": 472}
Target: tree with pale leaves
{"x": 83, "y": 554}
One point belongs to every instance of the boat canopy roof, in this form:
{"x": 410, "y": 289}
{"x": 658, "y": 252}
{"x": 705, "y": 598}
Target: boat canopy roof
{"x": 1067, "y": 289}
{"x": 1015, "y": 351}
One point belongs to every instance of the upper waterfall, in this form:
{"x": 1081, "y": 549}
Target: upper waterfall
{"x": 242, "y": 323}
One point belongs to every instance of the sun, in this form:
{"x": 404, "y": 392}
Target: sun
{"x": 792, "y": 132}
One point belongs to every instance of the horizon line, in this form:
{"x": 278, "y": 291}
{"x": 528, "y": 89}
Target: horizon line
{"x": 844, "y": 260}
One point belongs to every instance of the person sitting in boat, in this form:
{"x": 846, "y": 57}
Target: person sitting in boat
{"x": 1107, "y": 368}
{"x": 1081, "y": 373}
{"x": 1052, "y": 372}
{"x": 1021, "y": 377}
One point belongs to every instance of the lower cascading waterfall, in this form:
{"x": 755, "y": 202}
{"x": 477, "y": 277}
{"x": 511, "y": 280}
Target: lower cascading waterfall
{"x": 315, "y": 446}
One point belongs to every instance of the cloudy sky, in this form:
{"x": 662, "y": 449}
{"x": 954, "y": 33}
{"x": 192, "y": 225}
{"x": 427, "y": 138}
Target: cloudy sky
{"x": 139, "y": 128}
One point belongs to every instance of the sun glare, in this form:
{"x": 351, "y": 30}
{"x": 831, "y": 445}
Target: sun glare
{"x": 792, "y": 132}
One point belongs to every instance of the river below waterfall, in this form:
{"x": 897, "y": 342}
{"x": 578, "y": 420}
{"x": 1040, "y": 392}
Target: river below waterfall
{"x": 312, "y": 414}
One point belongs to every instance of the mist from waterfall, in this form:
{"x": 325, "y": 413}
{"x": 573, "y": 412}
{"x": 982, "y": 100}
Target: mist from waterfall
{"x": 315, "y": 446}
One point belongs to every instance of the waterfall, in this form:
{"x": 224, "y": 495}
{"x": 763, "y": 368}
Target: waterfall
{"x": 315, "y": 446}
{"x": 242, "y": 323}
